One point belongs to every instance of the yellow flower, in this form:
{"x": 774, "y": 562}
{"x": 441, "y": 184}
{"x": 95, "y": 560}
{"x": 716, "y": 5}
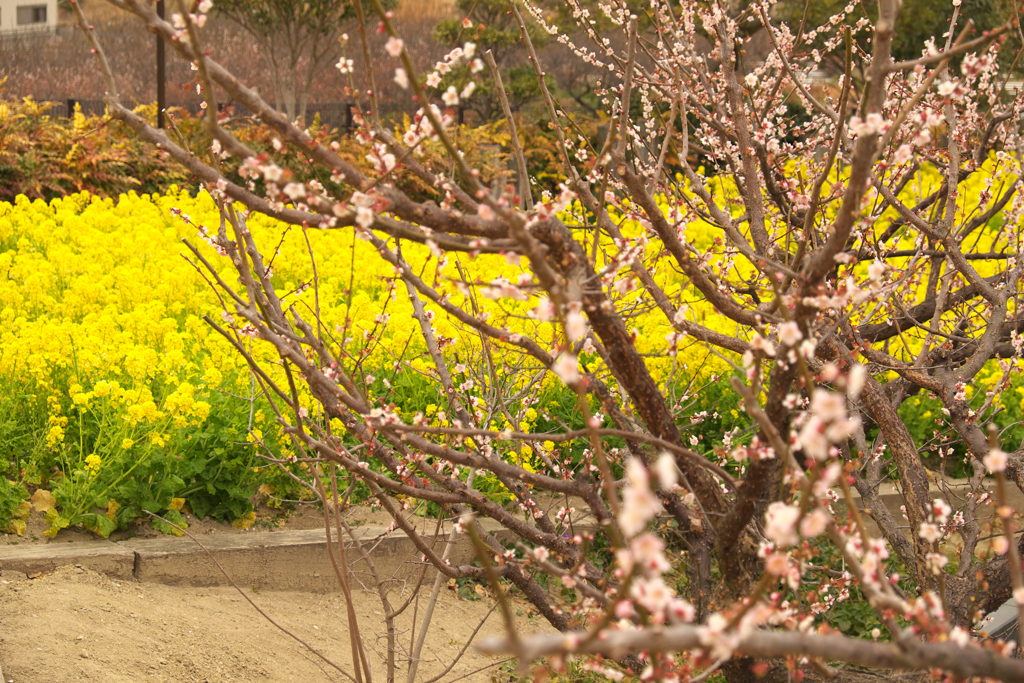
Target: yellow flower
{"x": 92, "y": 464}
{"x": 54, "y": 436}
{"x": 213, "y": 376}
{"x": 127, "y": 443}
{"x": 200, "y": 411}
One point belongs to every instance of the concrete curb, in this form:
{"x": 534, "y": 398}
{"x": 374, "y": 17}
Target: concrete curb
{"x": 264, "y": 560}
{"x": 890, "y": 496}
{"x": 101, "y": 556}
{"x": 893, "y": 499}
{"x": 281, "y": 560}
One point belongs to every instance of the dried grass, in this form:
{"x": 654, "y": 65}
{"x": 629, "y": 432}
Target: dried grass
{"x": 418, "y": 12}
{"x": 98, "y": 12}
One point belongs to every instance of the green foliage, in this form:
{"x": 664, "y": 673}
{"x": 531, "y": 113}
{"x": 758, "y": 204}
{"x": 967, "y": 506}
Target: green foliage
{"x": 174, "y": 524}
{"x": 217, "y": 464}
{"x": 112, "y": 468}
{"x": 12, "y": 497}
{"x": 111, "y": 462}
{"x": 21, "y": 411}
{"x": 934, "y": 435}
{"x": 466, "y": 588}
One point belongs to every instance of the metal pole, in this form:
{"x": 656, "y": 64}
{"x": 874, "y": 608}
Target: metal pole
{"x": 161, "y": 97}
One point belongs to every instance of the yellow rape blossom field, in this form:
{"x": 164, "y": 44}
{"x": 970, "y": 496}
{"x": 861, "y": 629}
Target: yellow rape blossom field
{"x": 118, "y": 397}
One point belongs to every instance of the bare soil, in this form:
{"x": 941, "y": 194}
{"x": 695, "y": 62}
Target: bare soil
{"x": 76, "y": 625}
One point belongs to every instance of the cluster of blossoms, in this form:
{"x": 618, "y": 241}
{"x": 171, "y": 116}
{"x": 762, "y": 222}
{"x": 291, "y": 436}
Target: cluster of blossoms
{"x": 467, "y": 53}
{"x": 198, "y": 18}
{"x": 826, "y": 423}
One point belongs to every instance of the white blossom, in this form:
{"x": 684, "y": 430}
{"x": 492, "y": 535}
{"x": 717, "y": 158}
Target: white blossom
{"x": 394, "y": 46}
{"x": 450, "y": 96}
{"x": 814, "y": 523}
{"x": 668, "y": 472}
{"x": 566, "y": 367}
{"x": 995, "y": 461}
{"x": 575, "y": 326}
{"x": 780, "y": 524}
{"x": 402, "y": 78}
{"x": 789, "y": 333}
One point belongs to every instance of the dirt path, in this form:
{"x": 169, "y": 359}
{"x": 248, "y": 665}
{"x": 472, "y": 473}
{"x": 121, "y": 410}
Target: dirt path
{"x": 76, "y": 625}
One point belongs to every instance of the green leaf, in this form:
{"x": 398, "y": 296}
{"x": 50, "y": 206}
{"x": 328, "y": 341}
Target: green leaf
{"x": 56, "y": 522}
{"x": 99, "y": 524}
{"x": 173, "y": 516}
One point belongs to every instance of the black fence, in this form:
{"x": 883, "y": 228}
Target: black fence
{"x": 338, "y": 115}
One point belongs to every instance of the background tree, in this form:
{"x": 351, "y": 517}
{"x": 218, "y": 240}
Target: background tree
{"x": 488, "y": 25}
{"x": 297, "y": 40}
{"x": 924, "y": 21}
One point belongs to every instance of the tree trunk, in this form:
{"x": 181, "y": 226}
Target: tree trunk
{"x": 289, "y": 96}
{"x": 303, "y": 102}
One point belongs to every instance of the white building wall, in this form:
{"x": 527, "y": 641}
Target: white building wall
{"x": 32, "y": 11}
